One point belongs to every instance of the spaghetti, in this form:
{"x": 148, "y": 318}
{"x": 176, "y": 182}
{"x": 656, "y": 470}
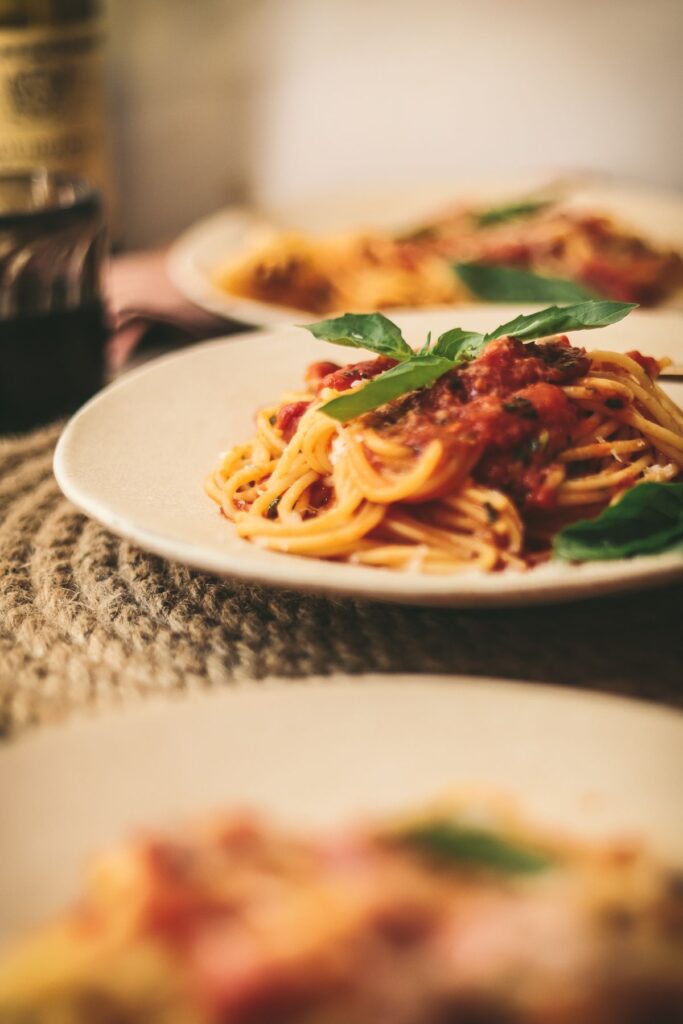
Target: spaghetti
{"x": 479, "y": 470}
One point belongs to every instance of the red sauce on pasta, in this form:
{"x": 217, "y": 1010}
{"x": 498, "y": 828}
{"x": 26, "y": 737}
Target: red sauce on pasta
{"x": 288, "y": 418}
{"x": 508, "y": 403}
{"x": 650, "y": 365}
{"x": 344, "y": 377}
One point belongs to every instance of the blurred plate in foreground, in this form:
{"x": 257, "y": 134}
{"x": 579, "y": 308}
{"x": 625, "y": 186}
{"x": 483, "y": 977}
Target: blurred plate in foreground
{"x": 323, "y": 754}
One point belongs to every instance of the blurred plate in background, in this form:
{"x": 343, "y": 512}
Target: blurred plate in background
{"x": 229, "y": 234}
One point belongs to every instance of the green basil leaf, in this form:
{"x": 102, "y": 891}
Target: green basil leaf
{"x": 452, "y": 844}
{"x": 415, "y": 373}
{"x": 556, "y": 320}
{"x": 507, "y": 284}
{"x": 425, "y": 348}
{"x": 371, "y": 331}
{"x": 511, "y": 211}
{"x": 420, "y": 369}
{"x": 647, "y": 520}
{"x": 459, "y": 345}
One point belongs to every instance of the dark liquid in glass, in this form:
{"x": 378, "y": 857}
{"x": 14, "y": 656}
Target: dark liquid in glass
{"x": 50, "y": 364}
{"x": 52, "y": 322}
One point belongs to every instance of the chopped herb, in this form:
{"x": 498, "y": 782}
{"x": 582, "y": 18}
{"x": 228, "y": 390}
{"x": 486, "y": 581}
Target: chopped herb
{"x": 614, "y": 403}
{"x": 492, "y": 514}
{"x": 271, "y": 511}
{"x": 520, "y": 406}
{"x": 566, "y": 360}
{"x": 272, "y": 420}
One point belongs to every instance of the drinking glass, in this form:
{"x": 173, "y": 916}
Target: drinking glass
{"x": 52, "y": 317}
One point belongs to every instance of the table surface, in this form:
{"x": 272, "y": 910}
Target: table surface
{"x": 88, "y": 620}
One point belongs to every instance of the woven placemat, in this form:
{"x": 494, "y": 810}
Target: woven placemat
{"x": 89, "y": 620}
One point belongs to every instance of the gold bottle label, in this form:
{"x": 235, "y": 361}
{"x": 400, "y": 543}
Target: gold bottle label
{"x": 52, "y": 106}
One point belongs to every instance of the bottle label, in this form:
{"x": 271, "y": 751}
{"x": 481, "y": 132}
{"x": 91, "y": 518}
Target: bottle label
{"x": 52, "y": 109}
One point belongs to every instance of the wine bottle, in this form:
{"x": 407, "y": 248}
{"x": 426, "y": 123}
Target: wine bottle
{"x": 52, "y": 90}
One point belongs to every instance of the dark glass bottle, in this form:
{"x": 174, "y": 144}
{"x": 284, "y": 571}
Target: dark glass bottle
{"x": 52, "y": 89}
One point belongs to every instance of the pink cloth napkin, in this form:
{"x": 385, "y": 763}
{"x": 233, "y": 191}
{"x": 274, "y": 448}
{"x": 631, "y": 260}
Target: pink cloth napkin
{"x": 139, "y": 294}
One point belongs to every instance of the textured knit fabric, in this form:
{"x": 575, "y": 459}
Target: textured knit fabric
{"x": 89, "y": 620}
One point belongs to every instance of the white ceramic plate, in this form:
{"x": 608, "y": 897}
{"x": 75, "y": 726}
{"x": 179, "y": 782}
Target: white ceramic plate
{"x": 230, "y": 233}
{"x": 321, "y": 754}
{"x": 135, "y": 458}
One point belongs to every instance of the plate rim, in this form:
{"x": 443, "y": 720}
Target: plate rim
{"x": 197, "y": 286}
{"x": 153, "y": 706}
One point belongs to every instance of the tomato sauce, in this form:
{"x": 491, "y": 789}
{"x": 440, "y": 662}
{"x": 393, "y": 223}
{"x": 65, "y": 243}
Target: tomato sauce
{"x": 317, "y": 371}
{"x": 506, "y": 365}
{"x": 509, "y": 404}
{"x": 288, "y": 418}
{"x": 650, "y": 365}
{"x": 344, "y": 377}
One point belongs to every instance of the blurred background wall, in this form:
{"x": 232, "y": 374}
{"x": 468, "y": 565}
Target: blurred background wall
{"x": 274, "y": 100}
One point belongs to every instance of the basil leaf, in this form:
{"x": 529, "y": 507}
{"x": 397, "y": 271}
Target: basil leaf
{"x": 425, "y": 348}
{"x": 510, "y": 211}
{"x": 457, "y": 845}
{"x": 459, "y": 345}
{"x": 420, "y": 369}
{"x": 647, "y": 520}
{"x": 417, "y": 372}
{"x": 507, "y": 284}
{"x": 364, "y": 330}
{"x": 556, "y": 320}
